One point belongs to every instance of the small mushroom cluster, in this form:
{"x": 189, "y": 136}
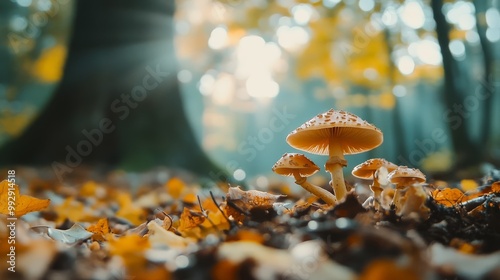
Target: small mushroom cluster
{"x": 407, "y": 181}
{"x": 337, "y": 133}
{"x": 334, "y": 133}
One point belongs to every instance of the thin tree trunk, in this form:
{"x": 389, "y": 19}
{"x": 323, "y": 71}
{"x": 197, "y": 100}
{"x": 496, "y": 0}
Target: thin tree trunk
{"x": 396, "y": 118}
{"x": 466, "y": 151}
{"x": 488, "y": 90}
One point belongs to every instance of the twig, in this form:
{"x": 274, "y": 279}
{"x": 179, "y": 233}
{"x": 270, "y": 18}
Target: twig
{"x": 222, "y": 212}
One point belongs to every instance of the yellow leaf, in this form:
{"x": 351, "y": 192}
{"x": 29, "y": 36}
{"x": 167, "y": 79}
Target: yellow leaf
{"x": 73, "y": 210}
{"x": 99, "y": 229}
{"x": 468, "y": 185}
{"x": 175, "y": 187}
{"x": 88, "y": 189}
{"x": 131, "y": 249}
{"x": 15, "y": 204}
{"x": 129, "y": 211}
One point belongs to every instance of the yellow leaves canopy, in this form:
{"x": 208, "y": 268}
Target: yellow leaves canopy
{"x": 49, "y": 67}
{"x": 15, "y": 204}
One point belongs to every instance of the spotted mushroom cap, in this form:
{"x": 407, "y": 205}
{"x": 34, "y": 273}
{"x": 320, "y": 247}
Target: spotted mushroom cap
{"x": 404, "y": 174}
{"x": 291, "y": 163}
{"x": 365, "y": 170}
{"x": 354, "y": 134}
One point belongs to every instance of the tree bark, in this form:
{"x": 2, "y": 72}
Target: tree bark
{"x": 466, "y": 151}
{"x": 120, "y": 82}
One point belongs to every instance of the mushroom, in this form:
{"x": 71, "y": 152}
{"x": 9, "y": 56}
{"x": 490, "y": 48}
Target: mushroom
{"x": 300, "y": 167}
{"x": 371, "y": 169}
{"x": 404, "y": 177}
{"x": 414, "y": 202}
{"x": 336, "y": 133}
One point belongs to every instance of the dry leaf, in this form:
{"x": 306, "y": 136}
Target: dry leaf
{"x": 15, "y": 204}
{"x": 74, "y": 211}
{"x": 388, "y": 270}
{"x": 72, "y": 235}
{"x": 129, "y": 211}
{"x": 131, "y": 249}
{"x": 448, "y": 197}
{"x": 175, "y": 187}
{"x": 468, "y": 185}
{"x": 252, "y": 197}
{"x": 190, "y": 219}
{"x": 157, "y": 235}
{"x": 99, "y": 229}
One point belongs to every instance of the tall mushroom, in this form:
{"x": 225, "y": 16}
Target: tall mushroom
{"x": 336, "y": 133}
{"x": 370, "y": 169}
{"x": 404, "y": 177}
{"x": 300, "y": 167}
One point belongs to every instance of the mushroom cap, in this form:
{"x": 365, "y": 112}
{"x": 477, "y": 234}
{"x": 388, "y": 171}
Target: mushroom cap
{"x": 354, "y": 134}
{"x": 404, "y": 174}
{"x": 291, "y": 163}
{"x": 365, "y": 170}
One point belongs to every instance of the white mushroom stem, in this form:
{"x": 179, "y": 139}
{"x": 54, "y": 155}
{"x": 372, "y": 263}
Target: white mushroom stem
{"x": 334, "y": 165}
{"x": 316, "y": 190}
{"x": 397, "y": 195}
{"x": 415, "y": 199}
{"x": 377, "y": 191}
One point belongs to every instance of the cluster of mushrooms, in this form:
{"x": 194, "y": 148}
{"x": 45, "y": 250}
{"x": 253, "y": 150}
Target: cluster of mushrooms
{"x": 337, "y": 133}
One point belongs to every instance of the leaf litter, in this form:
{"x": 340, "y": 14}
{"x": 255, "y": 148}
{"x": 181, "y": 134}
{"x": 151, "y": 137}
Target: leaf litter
{"x": 174, "y": 229}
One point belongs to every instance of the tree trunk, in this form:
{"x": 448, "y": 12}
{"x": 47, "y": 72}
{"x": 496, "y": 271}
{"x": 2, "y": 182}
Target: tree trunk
{"x": 119, "y": 102}
{"x": 466, "y": 151}
{"x": 486, "y": 82}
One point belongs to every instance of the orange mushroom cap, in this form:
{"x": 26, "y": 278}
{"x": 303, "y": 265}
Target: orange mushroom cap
{"x": 291, "y": 163}
{"x": 404, "y": 174}
{"x": 354, "y": 134}
{"x": 365, "y": 170}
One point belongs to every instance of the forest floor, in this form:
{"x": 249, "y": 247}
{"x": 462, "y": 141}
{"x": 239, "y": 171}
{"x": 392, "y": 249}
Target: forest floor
{"x": 168, "y": 227}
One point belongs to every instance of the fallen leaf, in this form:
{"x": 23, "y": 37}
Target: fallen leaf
{"x": 388, "y": 270}
{"x": 467, "y": 266}
{"x": 157, "y": 235}
{"x": 252, "y": 197}
{"x": 99, "y": 229}
{"x": 21, "y": 204}
{"x": 175, "y": 187}
{"x": 247, "y": 235}
{"x": 131, "y": 249}
{"x": 448, "y": 197}
{"x": 74, "y": 211}
{"x": 72, "y": 235}
{"x": 225, "y": 270}
{"x": 129, "y": 211}
{"x": 495, "y": 187}
{"x": 190, "y": 219}
{"x": 468, "y": 185}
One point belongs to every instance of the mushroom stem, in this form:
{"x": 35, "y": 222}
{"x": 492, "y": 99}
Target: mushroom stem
{"x": 316, "y": 190}
{"x": 397, "y": 195}
{"x": 377, "y": 191}
{"x": 334, "y": 165}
